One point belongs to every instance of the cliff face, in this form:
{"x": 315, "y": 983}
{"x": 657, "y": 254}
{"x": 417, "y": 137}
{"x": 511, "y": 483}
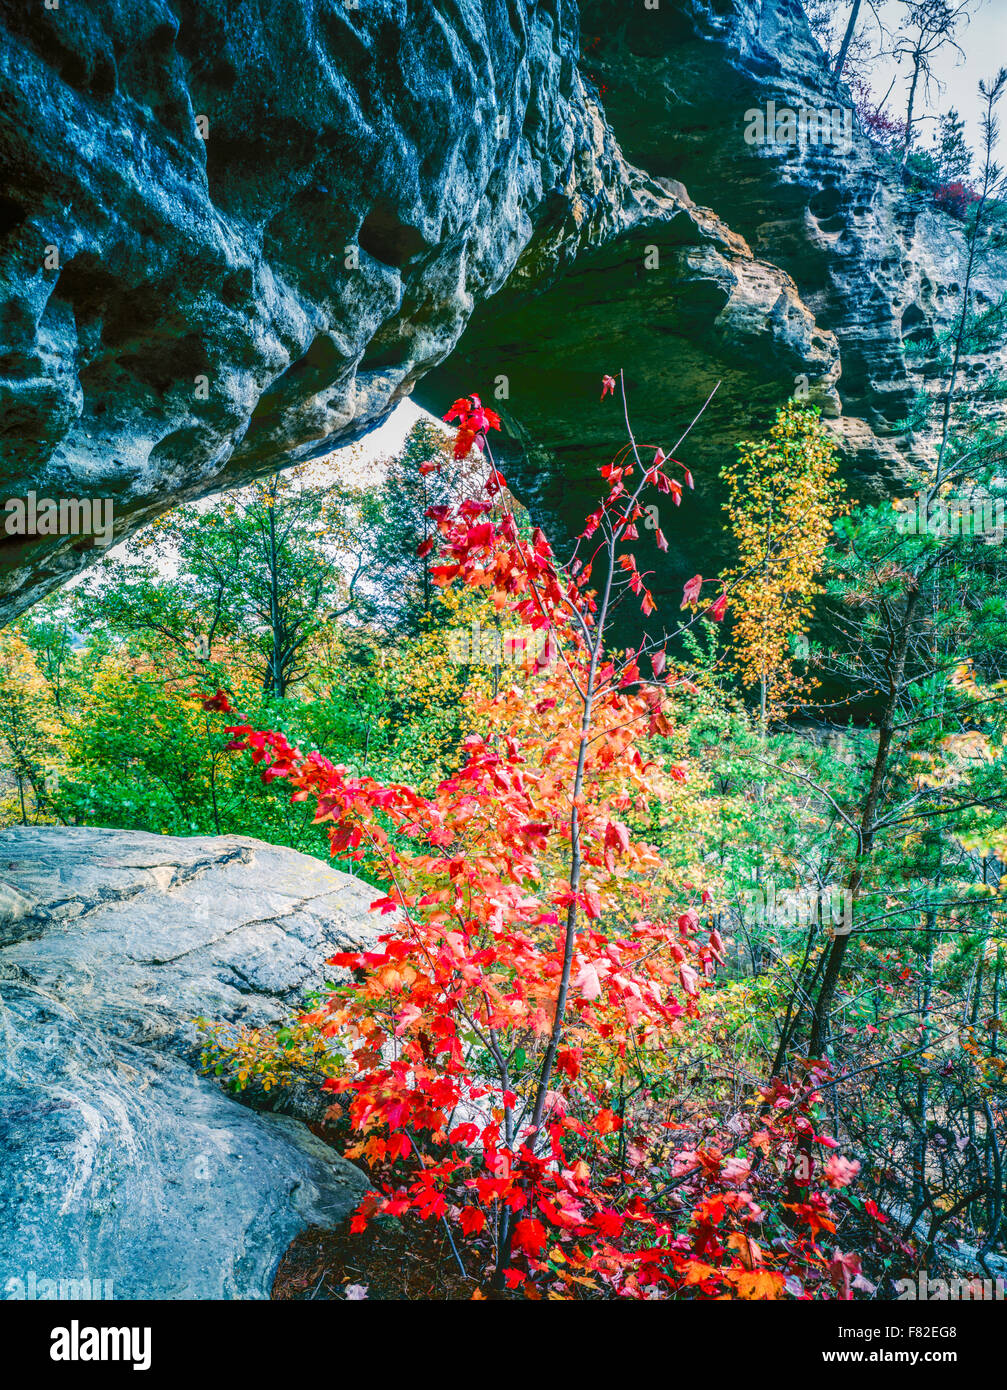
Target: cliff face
{"x": 232, "y": 235}
{"x": 690, "y": 90}
{"x": 237, "y": 234}
{"x": 871, "y": 263}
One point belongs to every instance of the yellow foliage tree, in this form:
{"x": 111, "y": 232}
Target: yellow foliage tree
{"x": 782, "y": 497}
{"x": 28, "y": 733}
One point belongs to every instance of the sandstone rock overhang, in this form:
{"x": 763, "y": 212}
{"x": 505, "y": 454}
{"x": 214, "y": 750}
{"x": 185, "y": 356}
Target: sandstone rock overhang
{"x": 812, "y": 273}
{"x": 234, "y": 239}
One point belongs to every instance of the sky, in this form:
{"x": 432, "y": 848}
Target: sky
{"x": 390, "y": 436}
{"x": 984, "y": 40}
{"x": 354, "y": 464}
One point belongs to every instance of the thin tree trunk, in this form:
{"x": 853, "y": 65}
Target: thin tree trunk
{"x": 865, "y": 839}
{"x": 276, "y": 620}
{"x": 851, "y": 25}
{"x": 909, "y": 110}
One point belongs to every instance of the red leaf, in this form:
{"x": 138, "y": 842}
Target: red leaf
{"x": 529, "y": 1236}
{"x": 691, "y": 590}
{"x": 471, "y": 1220}
{"x": 220, "y": 702}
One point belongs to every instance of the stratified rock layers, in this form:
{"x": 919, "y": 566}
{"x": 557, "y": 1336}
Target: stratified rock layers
{"x": 236, "y": 236}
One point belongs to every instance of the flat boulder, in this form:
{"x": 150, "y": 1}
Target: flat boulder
{"x": 124, "y": 1172}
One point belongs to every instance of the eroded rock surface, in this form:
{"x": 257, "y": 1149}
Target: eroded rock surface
{"x": 234, "y": 236}
{"x": 230, "y": 238}
{"x": 872, "y": 261}
{"x": 118, "y": 1160}
{"x": 839, "y": 287}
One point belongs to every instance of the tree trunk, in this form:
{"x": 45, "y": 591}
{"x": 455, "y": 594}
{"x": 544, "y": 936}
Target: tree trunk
{"x": 851, "y": 25}
{"x": 276, "y": 619}
{"x": 834, "y": 962}
{"x": 909, "y": 110}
